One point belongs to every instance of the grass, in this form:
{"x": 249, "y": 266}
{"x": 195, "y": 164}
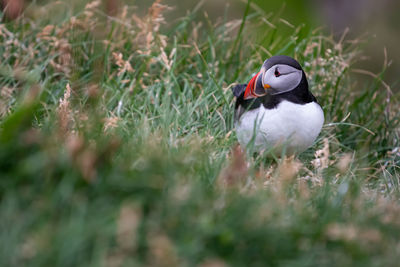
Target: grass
{"x": 117, "y": 146}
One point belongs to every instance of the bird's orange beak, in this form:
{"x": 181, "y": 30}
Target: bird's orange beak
{"x": 250, "y": 91}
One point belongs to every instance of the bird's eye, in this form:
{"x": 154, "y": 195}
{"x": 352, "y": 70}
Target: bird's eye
{"x": 277, "y": 73}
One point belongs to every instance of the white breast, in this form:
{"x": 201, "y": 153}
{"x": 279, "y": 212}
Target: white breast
{"x": 291, "y": 126}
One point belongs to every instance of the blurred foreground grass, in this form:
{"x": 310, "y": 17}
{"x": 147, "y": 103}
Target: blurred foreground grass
{"x": 116, "y": 147}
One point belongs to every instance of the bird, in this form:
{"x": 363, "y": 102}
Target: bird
{"x": 275, "y": 111}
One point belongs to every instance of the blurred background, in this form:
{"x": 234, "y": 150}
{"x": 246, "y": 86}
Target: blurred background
{"x": 375, "y": 23}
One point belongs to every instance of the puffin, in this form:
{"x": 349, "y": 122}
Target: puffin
{"x": 275, "y": 111}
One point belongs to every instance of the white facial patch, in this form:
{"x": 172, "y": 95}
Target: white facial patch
{"x": 282, "y": 78}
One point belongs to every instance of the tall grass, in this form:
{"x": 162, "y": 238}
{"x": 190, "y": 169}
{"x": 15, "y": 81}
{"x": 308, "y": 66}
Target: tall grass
{"x": 117, "y": 146}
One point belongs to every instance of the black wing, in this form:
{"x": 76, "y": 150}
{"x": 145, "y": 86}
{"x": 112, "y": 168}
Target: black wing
{"x": 242, "y": 105}
{"x": 239, "y": 89}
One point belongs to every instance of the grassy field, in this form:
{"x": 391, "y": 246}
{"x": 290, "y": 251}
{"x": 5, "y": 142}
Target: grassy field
{"x": 117, "y": 145}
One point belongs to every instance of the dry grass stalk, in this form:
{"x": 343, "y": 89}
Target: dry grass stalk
{"x": 351, "y": 233}
{"x": 337, "y": 231}
{"x": 321, "y": 160}
{"x": 162, "y": 251}
{"x": 181, "y": 192}
{"x": 388, "y": 211}
{"x": 32, "y": 136}
{"x": 64, "y": 111}
{"x": 90, "y": 6}
{"x": 87, "y": 164}
{"x": 93, "y": 90}
{"x": 4, "y": 32}
{"x": 149, "y": 28}
{"x": 167, "y": 60}
{"x": 288, "y": 169}
{"x": 283, "y": 177}
{"x": 127, "y": 224}
{"x": 213, "y": 262}
{"x": 344, "y": 162}
{"x": 111, "y": 123}
{"x": 236, "y": 172}
{"x": 58, "y": 45}
{"x": 63, "y": 61}
{"x": 33, "y": 244}
{"x": 74, "y": 144}
{"x": 83, "y": 156}
{"x": 5, "y": 98}
{"x": 123, "y": 65}
{"x": 327, "y": 68}
{"x": 112, "y": 7}
{"x": 46, "y": 33}
{"x": 303, "y": 188}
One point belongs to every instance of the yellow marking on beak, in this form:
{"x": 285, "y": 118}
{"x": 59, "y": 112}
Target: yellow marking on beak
{"x": 266, "y": 86}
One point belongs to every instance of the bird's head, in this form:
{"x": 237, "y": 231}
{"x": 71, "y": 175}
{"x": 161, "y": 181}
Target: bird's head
{"x": 278, "y": 74}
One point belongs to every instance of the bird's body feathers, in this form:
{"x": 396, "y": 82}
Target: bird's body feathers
{"x": 288, "y": 126}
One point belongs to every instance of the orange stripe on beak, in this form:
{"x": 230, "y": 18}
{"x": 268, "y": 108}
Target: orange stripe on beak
{"x": 249, "y": 92}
